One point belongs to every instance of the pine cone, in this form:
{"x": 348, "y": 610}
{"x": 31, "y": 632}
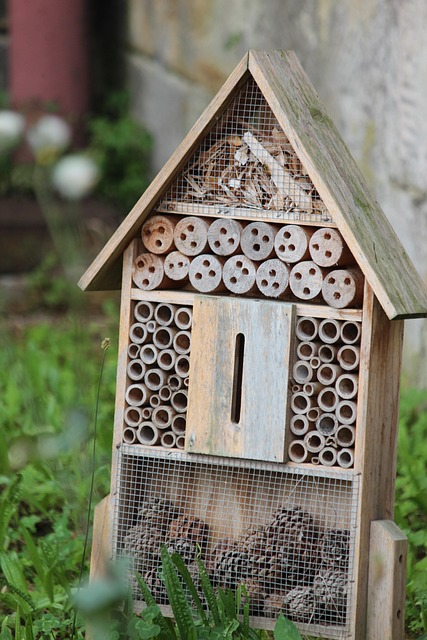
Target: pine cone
{"x": 185, "y": 548}
{"x": 155, "y": 584}
{"x": 274, "y": 604}
{"x": 158, "y": 512}
{"x": 335, "y": 548}
{"x": 261, "y": 553}
{"x": 192, "y": 528}
{"x": 293, "y": 526}
{"x": 300, "y": 604}
{"x": 142, "y": 544}
{"x": 330, "y": 590}
{"x": 231, "y": 567}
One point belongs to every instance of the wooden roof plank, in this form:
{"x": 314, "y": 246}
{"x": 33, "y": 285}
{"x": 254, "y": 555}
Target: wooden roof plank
{"x": 359, "y": 217}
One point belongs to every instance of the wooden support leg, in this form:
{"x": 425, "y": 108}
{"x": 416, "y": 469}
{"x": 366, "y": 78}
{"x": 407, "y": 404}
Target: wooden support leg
{"x": 101, "y": 550}
{"x": 386, "y": 582}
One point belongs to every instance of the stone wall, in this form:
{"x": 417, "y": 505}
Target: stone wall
{"x": 366, "y": 58}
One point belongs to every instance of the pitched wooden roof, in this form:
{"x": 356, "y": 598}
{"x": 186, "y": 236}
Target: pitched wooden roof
{"x": 340, "y": 184}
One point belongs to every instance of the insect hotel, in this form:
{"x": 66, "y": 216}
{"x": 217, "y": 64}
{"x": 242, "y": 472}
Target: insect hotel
{"x": 263, "y": 293}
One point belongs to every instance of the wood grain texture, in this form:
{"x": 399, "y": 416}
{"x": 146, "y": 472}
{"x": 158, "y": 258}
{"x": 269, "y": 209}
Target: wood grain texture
{"x": 387, "y": 578}
{"x": 104, "y": 272}
{"x": 376, "y": 428}
{"x": 101, "y": 542}
{"x": 211, "y": 428}
{"x": 360, "y": 219}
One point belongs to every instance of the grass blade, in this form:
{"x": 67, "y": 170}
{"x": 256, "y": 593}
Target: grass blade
{"x": 208, "y": 592}
{"x": 188, "y": 581}
{"x": 177, "y": 598}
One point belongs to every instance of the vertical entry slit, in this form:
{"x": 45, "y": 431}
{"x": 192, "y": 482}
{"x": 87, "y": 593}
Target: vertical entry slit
{"x": 236, "y": 401}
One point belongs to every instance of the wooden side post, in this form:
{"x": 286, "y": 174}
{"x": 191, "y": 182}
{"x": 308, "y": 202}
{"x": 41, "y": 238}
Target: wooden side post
{"x": 386, "y": 581}
{"x": 101, "y": 543}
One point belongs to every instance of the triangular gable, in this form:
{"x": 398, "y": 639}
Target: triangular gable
{"x": 338, "y": 193}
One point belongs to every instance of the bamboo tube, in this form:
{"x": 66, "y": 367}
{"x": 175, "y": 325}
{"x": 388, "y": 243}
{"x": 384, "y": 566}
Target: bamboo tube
{"x": 257, "y": 240}
{"x": 133, "y": 350}
{"x": 328, "y": 399}
{"x": 182, "y": 342}
{"x": 186, "y": 381}
{"x": 183, "y": 318}
{"x": 313, "y": 413}
{"x": 345, "y": 458}
{"x": 346, "y": 385}
{"x": 148, "y": 354}
{"x": 306, "y": 328}
{"x": 349, "y": 357}
{"x": 178, "y": 424}
{"x": 164, "y": 314}
{"x": 182, "y": 366}
{"x": 168, "y": 440}
{"x": 346, "y": 435}
{"x": 299, "y": 425}
{"x": 327, "y": 353}
{"x": 166, "y": 359}
{"x": 155, "y": 379}
{"x": 157, "y": 234}
{"x": 306, "y": 279}
{"x": 350, "y": 332}
{"x": 330, "y": 330}
{"x": 224, "y": 236}
{"x": 191, "y": 235}
{"x": 146, "y": 412}
{"x": 291, "y": 243}
{"x": 144, "y": 311}
{"x": 302, "y": 372}
{"x": 328, "y": 373}
{"x": 239, "y": 274}
{"x": 301, "y": 403}
{"x": 296, "y": 387}
{"x": 163, "y": 337}
{"x": 148, "y": 272}
{"x": 328, "y": 457}
{"x": 314, "y": 441}
{"x": 272, "y": 278}
{"x": 327, "y": 424}
{"x": 165, "y": 393}
{"x": 175, "y": 382}
{"x": 307, "y": 349}
{"x": 180, "y": 442}
{"x": 177, "y": 266}
{"x": 346, "y": 412}
{"x": 148, "y": 434}
{"x": 315, "y": 363}
{"x": 297, "y": 451}
{"x": 151, "y": 326}
{"x": 343, "y": 288}
{"x": 314, "y": 460}
{"x": 133, "y": 416}
{"x": 137, "y": 394}
{"x": 313, "y": 388}
{"x": 331, "y": 441}
{"x": 154, "y": 401}
{"x": 136, "y": 369}
{"x": 179, "y": 401}
{"x": 206, "y": 273}
{"x": 129, "y": 435}
{"x": 162, "y": 416}
{"x": 138, "y": 333}
{"x": 328, "y": 249}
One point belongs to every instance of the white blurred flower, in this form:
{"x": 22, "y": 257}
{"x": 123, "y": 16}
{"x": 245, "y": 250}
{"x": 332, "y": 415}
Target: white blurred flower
{"x": 11, "y": 129}
{"x": 49, "y": 137}
{"x": 75, "y": 176}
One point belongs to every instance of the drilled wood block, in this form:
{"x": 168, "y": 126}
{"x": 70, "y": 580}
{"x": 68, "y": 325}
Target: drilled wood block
{"x": 157, "y": 234}
{"x": 306, "y": 279}
{"x": 272, "y": 278}
{"x": 224, "y": 236}
{"x": 239, "y": 274}
{"x": 257, "y": 241}
{"x": 191, "y": 235}
{"x": 328, "y": 249}
{"x": 291, "y": 243}
{"x": 206, "y": 273}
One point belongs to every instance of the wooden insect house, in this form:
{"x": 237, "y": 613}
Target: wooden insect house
{"x": 263, "y": 293}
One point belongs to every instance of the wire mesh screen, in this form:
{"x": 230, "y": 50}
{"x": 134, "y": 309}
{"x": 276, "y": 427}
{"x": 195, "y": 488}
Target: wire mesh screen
{"x": 288, "y": 535}
{"x": 246, "y": 163}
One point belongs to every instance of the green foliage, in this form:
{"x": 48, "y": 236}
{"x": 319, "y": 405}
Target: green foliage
{"x": 122, "y": 148}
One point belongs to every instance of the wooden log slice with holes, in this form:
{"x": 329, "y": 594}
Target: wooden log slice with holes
{"x": 191, "y": 235}
{"x": 239, "y": 274}
{"x": 176, "y": 266}
{"x": 291, "y": 243}
{"x": 257, "y": 240}
{"x": 328, "y": 249}
{"x": 224, "y": 236}
{"x": 157, "y": 234}
{"x": 148, "y": 272}
{"x": 272, "y": 278}
{"x": 343, "y": 288}
{"x": 206, "y": 274}
{"x": 306, "y": 279}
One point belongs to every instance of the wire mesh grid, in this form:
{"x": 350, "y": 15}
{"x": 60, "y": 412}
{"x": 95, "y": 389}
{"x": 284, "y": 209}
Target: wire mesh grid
{"x": 288, "y": 535}
{"x": 244, "y": 165}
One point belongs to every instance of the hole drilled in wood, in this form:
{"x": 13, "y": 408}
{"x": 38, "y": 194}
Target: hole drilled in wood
{"x": 236, "y": 402}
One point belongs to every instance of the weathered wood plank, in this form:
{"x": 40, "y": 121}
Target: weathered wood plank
{"x": 340, "y": 183}
{"x": 238, "y": 401}
{"x": 101, "y": 542}
{"x": 104, "y": 272}
{"x": 386, "y": 585}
